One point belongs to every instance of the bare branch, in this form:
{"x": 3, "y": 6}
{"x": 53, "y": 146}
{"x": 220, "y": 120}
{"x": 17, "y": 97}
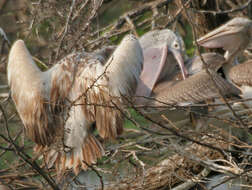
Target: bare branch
{"x": 225, "y": 11}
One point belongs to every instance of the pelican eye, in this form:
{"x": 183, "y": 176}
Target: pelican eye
{"x": 176, "y": 45}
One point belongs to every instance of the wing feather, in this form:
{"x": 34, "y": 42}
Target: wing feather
{"x": 29, "y": 92}
{"x": 197, "y": 88}
{"x": 106, "y": 86}
{"x": 241, "y": 74}
{"x": 55, "y": 108}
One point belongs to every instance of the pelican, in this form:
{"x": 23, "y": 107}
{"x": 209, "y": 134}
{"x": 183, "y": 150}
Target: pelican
{"x": 58, "y": 107}
{"x": 166, "y": 86}
{"x": 197, "y": 88}
{"x": 234, "y": 37}
{"x": 161, "y": 48}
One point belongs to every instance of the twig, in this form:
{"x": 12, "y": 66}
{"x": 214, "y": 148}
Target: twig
{"x": 206, "y": 68}
{"x": 177, "y": 14}
{"x": 33, "y": 20}
{"x": 97, "y": 173}
{"x": 190, "y": 183}
{"x": 4, "y": 95}
{"x": 176, "y": 133}
{"x": 9, "y": 146}
{"x": 6, "y": 148}
{"x": 40, "y": 62}
{"x": 226, "y": 11}
{"x": 114, "y": 28}
{"x": 66, "y": 27}
{"x": 98, "y": 4}
{"x": 2, "y": 33}
{"x": 154, "y": 16}
{"x": 24, "y": 156}
{"x": 131, "y": 24}
{"x": 91, "y": 17}
{"x": 230, "y": 178}
{"x": 77, "y": 13}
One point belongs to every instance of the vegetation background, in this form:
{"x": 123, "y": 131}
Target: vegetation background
{"x": 144, "y": 157}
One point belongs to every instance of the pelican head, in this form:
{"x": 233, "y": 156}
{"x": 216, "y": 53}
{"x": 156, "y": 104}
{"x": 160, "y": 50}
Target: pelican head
{"x": 161, "y": 49}
{"x": 234, "y": 36}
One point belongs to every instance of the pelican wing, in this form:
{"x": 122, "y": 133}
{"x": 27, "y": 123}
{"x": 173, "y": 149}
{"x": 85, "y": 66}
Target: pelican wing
{"x": 60, "y": 106}
{"x": 241, "y": 74}
{"x": 196, "y": 88}
{"x": 30, "y": 90}
{"x": 96, "y": 99}
{"x": 74, "y": 144}
{"x": 104, "y": 87}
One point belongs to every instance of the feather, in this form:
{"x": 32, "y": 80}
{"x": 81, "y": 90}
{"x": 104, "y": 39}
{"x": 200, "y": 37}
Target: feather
{"x": 53, "y": 104}
{"x": 196, "y": 88}
{"x": 241, "y": 79}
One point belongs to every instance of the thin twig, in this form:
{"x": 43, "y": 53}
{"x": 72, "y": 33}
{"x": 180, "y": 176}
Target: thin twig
{"x": 207, "y": 70}
{"x": 77, "y": 13}
{"x": 190, "y": 183}
{"x": 176, "y": 133}
{"x": 24, "y": 156}
{"x": 131, "y": 24}
{"x": 97, "y": 173}
{"x": 224, "y": 12}
{"x": 2, "y": 33}
{"x": 66, "y": 27}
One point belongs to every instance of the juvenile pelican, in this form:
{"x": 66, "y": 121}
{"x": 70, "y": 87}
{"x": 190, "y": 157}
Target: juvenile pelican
{"x": 59, "y": 107}
{"x": 162, "y": 49}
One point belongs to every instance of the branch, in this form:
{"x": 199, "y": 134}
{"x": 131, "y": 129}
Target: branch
{"x": 24, "y": 156}
{"x": 207, "y": 70}
{"x": 226, "y": 11}
{"x": 172, "y": 170}
{"x": 65, "y": 28}
{"x": 2, "y": 33}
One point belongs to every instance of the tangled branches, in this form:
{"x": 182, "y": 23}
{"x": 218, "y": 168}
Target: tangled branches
{"x": 154, "y": 152}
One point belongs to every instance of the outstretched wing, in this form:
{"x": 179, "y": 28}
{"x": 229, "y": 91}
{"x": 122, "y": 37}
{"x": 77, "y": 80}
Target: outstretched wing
{"x": 73, "y": 146}
{"x": 30, "y": 90}
{"x": 78, "y": 92}
{"x": 95, "y": 98}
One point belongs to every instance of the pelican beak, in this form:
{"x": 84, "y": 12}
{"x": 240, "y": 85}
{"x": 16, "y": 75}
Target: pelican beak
{"x": 228, "y": 37}
{"x": 154, "y": 62}
{"x": 179, "y": 58}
